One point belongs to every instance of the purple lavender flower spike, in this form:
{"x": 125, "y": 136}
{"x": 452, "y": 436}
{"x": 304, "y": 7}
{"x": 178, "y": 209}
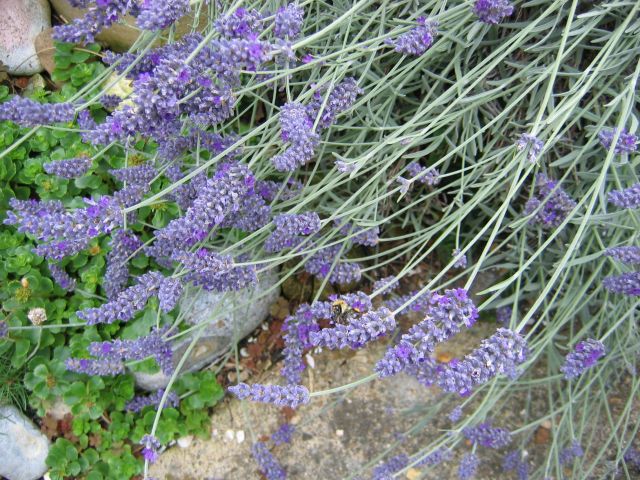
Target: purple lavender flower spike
{"x": 287, "y": 396}
{"x": 269, "y": 466}
{"x": 552, "y": 203}
{"x": 284, "y": 434}
{"x": 571, "y": 452}
{"x": 514, "y": 461}
{"x": 418, "y": 40}
{"x": 436, "y": 458}
{"x": 584, "y": 356}
{"x": 626, "y": 141}
{"x": 340, "y": 99}
{"x": 492, "y": 11}
{"x": 368, "y": 237}
{"x": 288, "y": 21}
{"x": 139, "y": 402}
{"x": 137, "y": 175}
{"x": 289, "y": 229}
{"x": 393, "y": 465}
{"x": 429, "y": 176}
{"x": 629, "y": 255}
{"x": 468, "y": 466}
{"x": 126, "y": 304}
{"x": 151, "y": 446}
{"x": 93, "y": 367}
{"x": 325, "y": 262}
{"x": 386, "y": 285}
{"x": 499, "y": 354}
{"x": 203, "y": 263}
{"x": 488, "y": 436}
{"x": 241, "y": 23}
{"x": 625, "y": 283}
{"x": 460, "y": 262}
{"x": 169, "y": 293}
{"x": 61, "y": 277}
{"x": 632, "y": 458}
{"x": 101, "y": 14}
{"x": 159, "y": 14}
{"x": 445, "y": 316}
{"x": 503, "y": 315}
{"x": 455, "y": 414}
{"x": 123, "y": 244}
{"x": 4, "y": 329}
{"x": 72, "y": 168}
{"x": 357, "y": 333}
{"x": 627, "y": 198}
{"x": 296, "y": 128}
{"x": 533, "y": 143}
{"x": 29, "y": 113}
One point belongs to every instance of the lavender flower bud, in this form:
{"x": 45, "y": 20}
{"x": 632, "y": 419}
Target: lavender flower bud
{"x": 468, "y": 466}
{"x": 393, "y": 465}
{"x": 514, "y": 461}
{"x": 492, "y": 11}
{"x": 287, "y": 396}
{"x": 429, "y": 176}
{"x": 630, "y": 255}
{"x": 436, "y": 458}
{"x": 29, "y": 113}
{"x": 359, "y": 331}
{"x": 488, "y": 436}
{"x": 455, "y": 414}
{"x": 288, "y": 21}
{"x": 72, "y": 168}
{"x": 141, "y": 401}
{"x": 159, "y": 14}
{"x": 169, "y": 293}
{"x": 325, "y": 262}
{"x": 93, "y": 367}
{"x": 499, "y": 354}
{"x": 61, "y": 277}
{"x": 363, "y": 236}
{"x": 625, "y": 283}
{"x": 123, "y": 244}
{"x": 626, "y": 141}
{"x": 283, "y": 434}
{"x": 533, "y": 143}
{"x": 269, "y": 466}
{"x": 137, "y": 175}
{"x": 418, "y": 40}
{"x": 460, "y": 262}
{"x": 584, "y": 356}
{"x": 551, "y": 202}
{"x": 4, "y": 329}
{"x": 386, "y": 285}
{"x": 100, "y": 15}
{"x": 632, "y": 458}
{"x": 289, "y": 227}
{"x": 627, "y": 198}
{"x": 568, "y": 454}
{"x": 241, "y": 23}
{"x": 340, "y": 99}
{"x": 151, "y": 446}
{"x": 503, "y": 316}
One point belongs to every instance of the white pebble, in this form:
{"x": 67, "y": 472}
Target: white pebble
{"x": 184, "y": 442}
{"x": 240, "y": 436}
{"x": 340, "y": 433}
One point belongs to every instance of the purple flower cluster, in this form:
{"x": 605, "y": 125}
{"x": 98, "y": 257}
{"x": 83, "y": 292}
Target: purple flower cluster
{"x": 460, "y": 262}
{"x": 625, "y": 283}
{"x": 72, "y": 168}
{"x": 358, "y": 332}
{"x": 288, "y": 21}
{"x": 429, "y": 176}
{"x": 61, "y": 277}
{"x": 287, "y": 396}
{"x": 136, "y": 175}
{"x": 284, "y": 434}
{"x": 393, "y": 465}
{"x": 514, "y": 461}
{"x": 141, "y": 401}
{"x": 29, "y": 113}
{"x": 630, "y": 255}
{"x": 571, "y": 452}
{"x": 627, "y": 198}
{"x": 488, "y": 436}
{"x": 159, "y": 14}
{"x": 436, "y": 458}
{"x": 102, "y": 14}
{"x": 584, "y": 356}
{"x": 241, "y": 23}
{"x": 455, "y": 414}
{"x": 326, "y": 262}
{"x": 95, "y": 367}
{"x": 499, "y": 354}
{"x": 131, "y": 300}
{"x": 551, "y": 203}
{"x": 468, "y": 466}
{"x": 204, "y": 267}
{"x": 269, "y": 466}
{"x": 533, "y": 143}
{"x": 339, "y": 99}
{"x": 415, "y": 302}
{"x": 63, "y": 233}
{"x": 386, "y": 285}
{"x": 290, "y": 227}
{"x": 417, "y": 40}
{"x": 445, "y": 316}
{"x": 297, "y": 129}
{"x": 626, "y": 141}
{"x": 151, "y": 446}
{"x": 492, "y": 11}
{"x": 112, "y": 353}
{"x": 367, "y": 237}
{"x": 632, "y": 458}
{"x": 123, "y": 244}
{"x": 503, "y": 315}
{"x": 296, "y": 330}
{"x": 4, "y": 329}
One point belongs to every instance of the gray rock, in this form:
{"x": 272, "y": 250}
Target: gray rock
{"x": 226, "y": 318}
{"x": 24, "y": 448}
{"x": 20, "y": 23}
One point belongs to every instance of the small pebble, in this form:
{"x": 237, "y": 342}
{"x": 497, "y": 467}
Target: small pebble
{"x": 184, "y": 442}
{"x": 240, "y": 436}
{"x": 340, "y": 433}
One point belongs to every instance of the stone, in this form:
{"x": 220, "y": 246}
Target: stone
{"x": 46, "y": 50}
{"x": 24, "y": 448}
{"x": 226, "y": 319}
{"x": 122, "y": 35}
{"x": 20, "y": 23}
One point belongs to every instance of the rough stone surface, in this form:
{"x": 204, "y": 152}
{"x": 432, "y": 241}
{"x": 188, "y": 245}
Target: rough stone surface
{"x": 121, "y": 36}
{"x": 225, "y": 318}
{"x": 24, "y": 449}
{"x": 20, "y": 22}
